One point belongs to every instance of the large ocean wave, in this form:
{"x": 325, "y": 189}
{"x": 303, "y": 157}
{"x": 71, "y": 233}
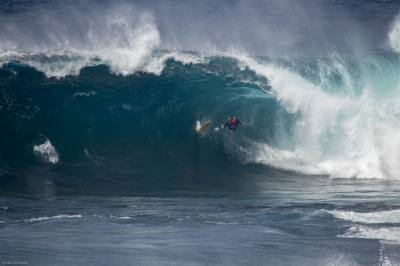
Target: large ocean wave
{"x": 115, "y": 107}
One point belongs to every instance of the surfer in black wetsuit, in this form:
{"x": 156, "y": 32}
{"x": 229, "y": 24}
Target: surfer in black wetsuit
{"x": 232, "y": 123}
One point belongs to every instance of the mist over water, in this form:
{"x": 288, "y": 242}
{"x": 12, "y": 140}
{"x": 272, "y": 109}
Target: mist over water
{"x": 275, "y": 28}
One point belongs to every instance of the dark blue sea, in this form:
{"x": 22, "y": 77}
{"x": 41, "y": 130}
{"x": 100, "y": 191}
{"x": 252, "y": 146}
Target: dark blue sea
{"x": 103, "y": 159}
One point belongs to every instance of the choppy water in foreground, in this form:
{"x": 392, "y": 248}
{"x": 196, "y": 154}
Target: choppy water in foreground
{"x": 291, "y": 221}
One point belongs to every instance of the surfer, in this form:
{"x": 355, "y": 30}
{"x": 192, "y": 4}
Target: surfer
{"x": 232, "y": 123}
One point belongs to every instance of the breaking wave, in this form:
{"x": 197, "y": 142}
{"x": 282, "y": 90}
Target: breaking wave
{"x": 115, "y": 105}
{"x": 326, "y": 116}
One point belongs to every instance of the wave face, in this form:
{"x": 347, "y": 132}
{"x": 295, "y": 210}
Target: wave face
{"x": 331, "y": 116}
{"x": 112, "y": 104}
{"x": 134, "y": 132}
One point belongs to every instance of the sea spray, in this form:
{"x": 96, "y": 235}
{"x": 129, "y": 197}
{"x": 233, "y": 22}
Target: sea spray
{"x": 46, "y": 152}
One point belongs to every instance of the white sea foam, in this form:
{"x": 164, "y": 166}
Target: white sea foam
{"x": 58, "y": 65}
{"x": 383, "y": 233}
{"x": 69, "y": 62}
{"x": 282, "y": 159}
{"x": 46, "y": 152}
{"x": 338, "y": 259}
{"x": 198, "y": 126}
{"x": 123, "y": 37}
{"x": 392, "y": 216}
{"x": 134, "y": 55}
{"x": 340, "y": 135}
{"x": 157, "y": 63}
{"x": 372, "y": 222}
{"x": 61, "y": 216}
{"x": 121, "y": 217}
